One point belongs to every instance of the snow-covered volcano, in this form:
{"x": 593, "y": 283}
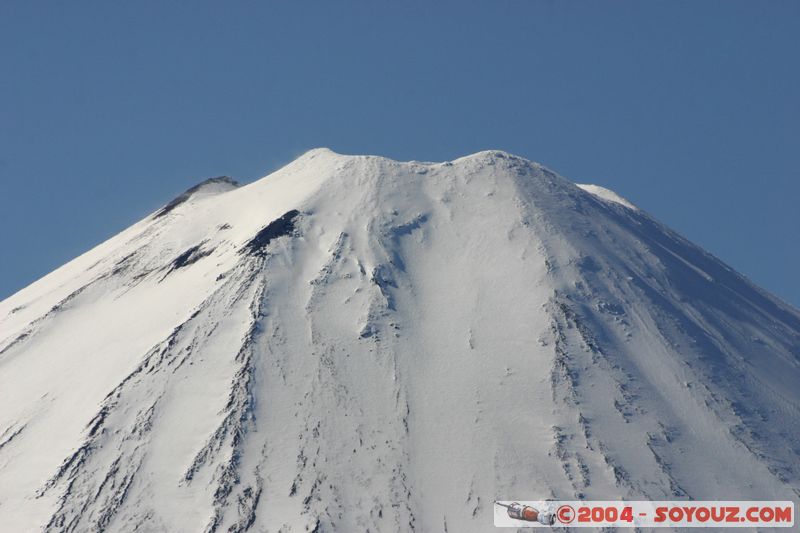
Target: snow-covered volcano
{"x": 357, "y": 344}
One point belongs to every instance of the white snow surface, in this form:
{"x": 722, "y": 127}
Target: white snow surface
{"x": 358, "y": 344}
{"x": 606, "y": 194}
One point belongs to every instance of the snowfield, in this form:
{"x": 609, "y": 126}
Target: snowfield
{"x": 358, "y": 344}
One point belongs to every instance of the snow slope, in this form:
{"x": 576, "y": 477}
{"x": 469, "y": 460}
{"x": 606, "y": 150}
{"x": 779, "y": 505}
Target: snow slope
{"x": 606, "y": 194}
{"x": 358, "y": 344}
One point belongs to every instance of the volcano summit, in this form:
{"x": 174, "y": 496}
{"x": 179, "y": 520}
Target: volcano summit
{"x": 358, "y": 344}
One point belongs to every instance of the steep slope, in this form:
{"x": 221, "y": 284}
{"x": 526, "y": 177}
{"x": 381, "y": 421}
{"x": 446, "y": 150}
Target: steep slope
{"x": 354, "y": 343}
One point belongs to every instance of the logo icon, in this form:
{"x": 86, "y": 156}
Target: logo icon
{"x": 526, "y": 513}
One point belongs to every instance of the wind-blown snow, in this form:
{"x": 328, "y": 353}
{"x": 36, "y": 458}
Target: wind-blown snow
{"x": 353, "y": 343}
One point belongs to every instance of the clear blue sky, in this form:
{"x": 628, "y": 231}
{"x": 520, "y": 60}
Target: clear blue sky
{"x": 689, "y": 109}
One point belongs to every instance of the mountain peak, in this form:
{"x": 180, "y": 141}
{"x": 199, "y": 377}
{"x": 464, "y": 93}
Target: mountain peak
{"x": 209, "y": 186}
{"x": 481, "y": 156}
{"x": 493, "y": 155}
